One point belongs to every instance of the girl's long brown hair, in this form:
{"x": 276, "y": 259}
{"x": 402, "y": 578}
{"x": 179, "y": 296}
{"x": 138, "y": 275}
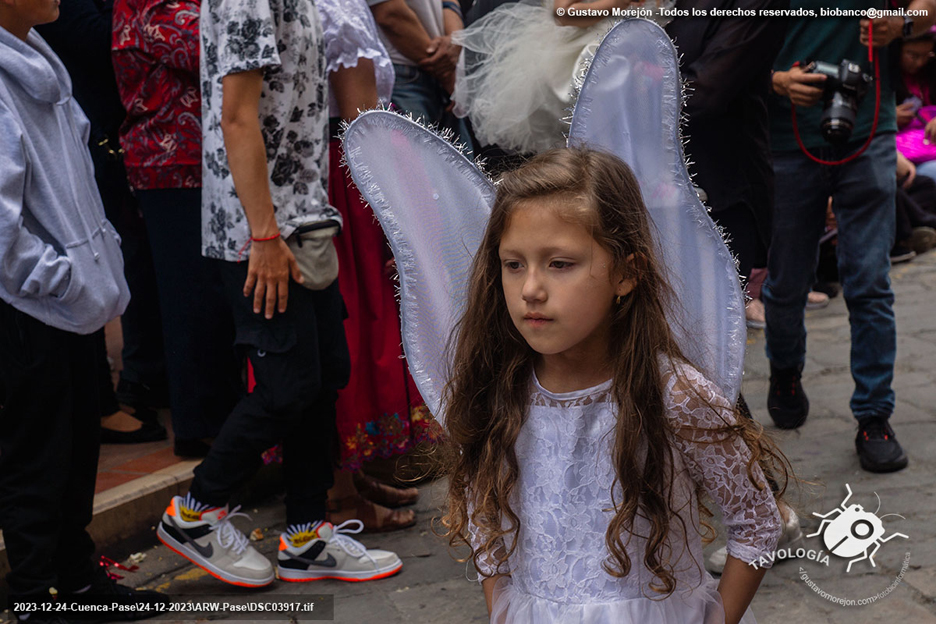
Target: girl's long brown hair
{"x": 487, "y": 397}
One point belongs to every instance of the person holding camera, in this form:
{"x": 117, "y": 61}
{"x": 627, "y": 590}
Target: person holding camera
{"x": 844, "y": 149}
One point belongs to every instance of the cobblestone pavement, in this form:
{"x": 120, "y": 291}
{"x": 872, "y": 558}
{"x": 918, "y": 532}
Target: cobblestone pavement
{"x": 433, "y": 588}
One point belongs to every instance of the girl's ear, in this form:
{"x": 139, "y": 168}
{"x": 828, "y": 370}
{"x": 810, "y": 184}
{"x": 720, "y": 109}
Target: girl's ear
{"x": 628, "y": 280}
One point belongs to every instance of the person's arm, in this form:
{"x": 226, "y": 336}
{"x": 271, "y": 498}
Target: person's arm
{"x": 888, "y": 29}
{"x": 442, "y": 53}
{"x": 488, "y": 586}
{"x": 738, "y": 584}
{"x": 402, "y": 27}
{"x": 906, "y": 170}
{"x": 271, "y": 262}
{"x": 355, "y": 88}
{"x": 737, "y": 52}
{"x": 719, "y": 462}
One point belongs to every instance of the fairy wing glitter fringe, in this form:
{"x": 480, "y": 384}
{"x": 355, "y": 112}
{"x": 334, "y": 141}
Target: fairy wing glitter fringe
{"x": 629, "y": 105}
{"x": 433, "y": 203}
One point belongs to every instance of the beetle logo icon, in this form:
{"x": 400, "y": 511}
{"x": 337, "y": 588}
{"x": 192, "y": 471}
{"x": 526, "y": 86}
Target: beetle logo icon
{"x": 853, "y": 531}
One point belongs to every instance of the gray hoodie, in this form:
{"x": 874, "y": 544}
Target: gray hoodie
{"x": 60, "y": 259}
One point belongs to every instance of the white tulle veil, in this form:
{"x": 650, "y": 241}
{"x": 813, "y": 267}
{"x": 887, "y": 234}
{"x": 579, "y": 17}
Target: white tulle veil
{"x": 433, "y": 204}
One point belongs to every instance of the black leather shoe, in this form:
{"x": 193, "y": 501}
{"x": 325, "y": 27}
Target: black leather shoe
{"x": 191, "y": 449}
{"x": 877, "y": 446}
{"x": 139, "y": 395}
{"x": 787, "y": 402}
{"x": 148, "y": 432}
{"x": 138, "y": 604}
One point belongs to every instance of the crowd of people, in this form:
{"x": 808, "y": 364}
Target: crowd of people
{"x": 178, "y": 164}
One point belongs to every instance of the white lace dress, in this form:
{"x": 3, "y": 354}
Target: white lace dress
{"x": 563, "y": 493}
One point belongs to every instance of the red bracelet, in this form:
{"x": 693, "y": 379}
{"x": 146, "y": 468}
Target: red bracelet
{"x": 263, "y": 240}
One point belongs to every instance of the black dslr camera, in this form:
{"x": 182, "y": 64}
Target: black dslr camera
{"x": 845, "y": 86}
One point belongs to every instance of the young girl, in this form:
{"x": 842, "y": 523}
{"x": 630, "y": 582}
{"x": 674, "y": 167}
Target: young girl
{"x": 581, "y": 436}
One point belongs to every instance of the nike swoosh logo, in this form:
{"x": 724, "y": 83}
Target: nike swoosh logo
{"x": 205, "y": 551}
{"x": 328, "y": 562}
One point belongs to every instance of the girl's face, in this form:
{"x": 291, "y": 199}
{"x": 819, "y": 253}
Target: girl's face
{"x": 915, "y": 55}
{"x": 559, "y": 284}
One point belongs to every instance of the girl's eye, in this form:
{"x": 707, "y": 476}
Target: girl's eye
{"x": 560, "y": 264}
{"x": 511, "y": 265}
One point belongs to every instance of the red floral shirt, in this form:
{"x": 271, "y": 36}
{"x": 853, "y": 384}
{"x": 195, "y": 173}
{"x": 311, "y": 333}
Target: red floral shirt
{"x": 155, "y": 55}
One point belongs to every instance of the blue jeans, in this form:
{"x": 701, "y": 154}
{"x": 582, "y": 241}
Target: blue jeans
{"x": 863, "y": 193}
{"x": 421, "y": 95}
{"x": 927, "y": 169}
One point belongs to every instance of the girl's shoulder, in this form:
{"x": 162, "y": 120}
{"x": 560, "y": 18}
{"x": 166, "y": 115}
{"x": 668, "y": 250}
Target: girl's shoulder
{"x": 691, "y": 399}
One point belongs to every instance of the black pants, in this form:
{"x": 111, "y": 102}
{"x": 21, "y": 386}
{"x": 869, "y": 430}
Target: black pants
{"x": 744, "y": 242}
{"x": 915, "y": 206}
{"x": 198, "y": 333}
{"x": 142, "y": 353}
{"x": 300, "y": 360}
{"x": 50, "y": 428}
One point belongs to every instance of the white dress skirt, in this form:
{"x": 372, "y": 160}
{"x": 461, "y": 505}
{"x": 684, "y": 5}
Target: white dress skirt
{"x": 563, "y": 498}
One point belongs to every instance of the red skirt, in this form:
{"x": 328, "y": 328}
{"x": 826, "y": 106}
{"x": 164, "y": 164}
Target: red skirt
{"x": 380, "y": 412}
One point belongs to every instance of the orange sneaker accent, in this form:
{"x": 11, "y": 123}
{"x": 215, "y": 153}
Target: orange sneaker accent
{"x": 195, "y": 563}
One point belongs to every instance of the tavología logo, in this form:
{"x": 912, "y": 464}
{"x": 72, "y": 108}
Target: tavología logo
{"x": 850, "y": 532}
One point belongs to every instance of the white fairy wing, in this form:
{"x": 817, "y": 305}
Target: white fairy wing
{"x": 433, "y": 204}
{"x": 629, "y": 105}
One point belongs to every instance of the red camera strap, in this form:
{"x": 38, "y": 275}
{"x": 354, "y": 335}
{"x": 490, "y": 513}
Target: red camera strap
{"x": 873, "y": 58}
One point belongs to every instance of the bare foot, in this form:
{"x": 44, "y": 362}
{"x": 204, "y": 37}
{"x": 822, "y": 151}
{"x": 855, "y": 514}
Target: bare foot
{"x": 376, "y": 518}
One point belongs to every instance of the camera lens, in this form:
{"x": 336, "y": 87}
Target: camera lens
{"x": 838, "y": 118}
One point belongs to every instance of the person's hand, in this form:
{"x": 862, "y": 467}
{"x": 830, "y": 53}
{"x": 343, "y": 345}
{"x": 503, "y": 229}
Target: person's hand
{"x": 442, "y": 57}
{"x": 906, "y": 170}
{"x": 268, "y": 270}
{"x": 905, "y": 113}
{"x": 564, "y": 19}
{"x": 799, "y": 86}
{"x": 930, "y": 130}
{"x": 885, "y": 30}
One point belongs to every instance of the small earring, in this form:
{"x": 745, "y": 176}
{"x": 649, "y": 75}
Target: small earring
{"x": 617, "y": 300}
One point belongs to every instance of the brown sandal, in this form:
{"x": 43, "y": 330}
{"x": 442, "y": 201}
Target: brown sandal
{"x": 366, "y": 511}
{"x": 383, "y": 494}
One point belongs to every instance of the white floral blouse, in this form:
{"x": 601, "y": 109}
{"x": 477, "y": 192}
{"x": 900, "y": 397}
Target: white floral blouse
{"x": 284, "y": 39}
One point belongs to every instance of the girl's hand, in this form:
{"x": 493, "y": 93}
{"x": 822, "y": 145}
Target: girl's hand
{"x": 906, "y": 170}
{"x": 931, "y": 130}
{"x": 905, "y": 113}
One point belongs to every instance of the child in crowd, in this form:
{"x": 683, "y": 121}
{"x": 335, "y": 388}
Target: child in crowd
{"x": 581, "y": 435}
{"x": 61, "y": 280}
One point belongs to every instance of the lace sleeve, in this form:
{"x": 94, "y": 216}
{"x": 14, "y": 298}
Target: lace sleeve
{"x": 488, "y": 564}
{"x": 719, "y": 464}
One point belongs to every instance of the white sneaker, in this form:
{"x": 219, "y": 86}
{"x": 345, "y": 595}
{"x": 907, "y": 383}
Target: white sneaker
{"x": 792, "y": 538}
{"x": 208, "y": 539}
{"x": 328, "y": 553}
